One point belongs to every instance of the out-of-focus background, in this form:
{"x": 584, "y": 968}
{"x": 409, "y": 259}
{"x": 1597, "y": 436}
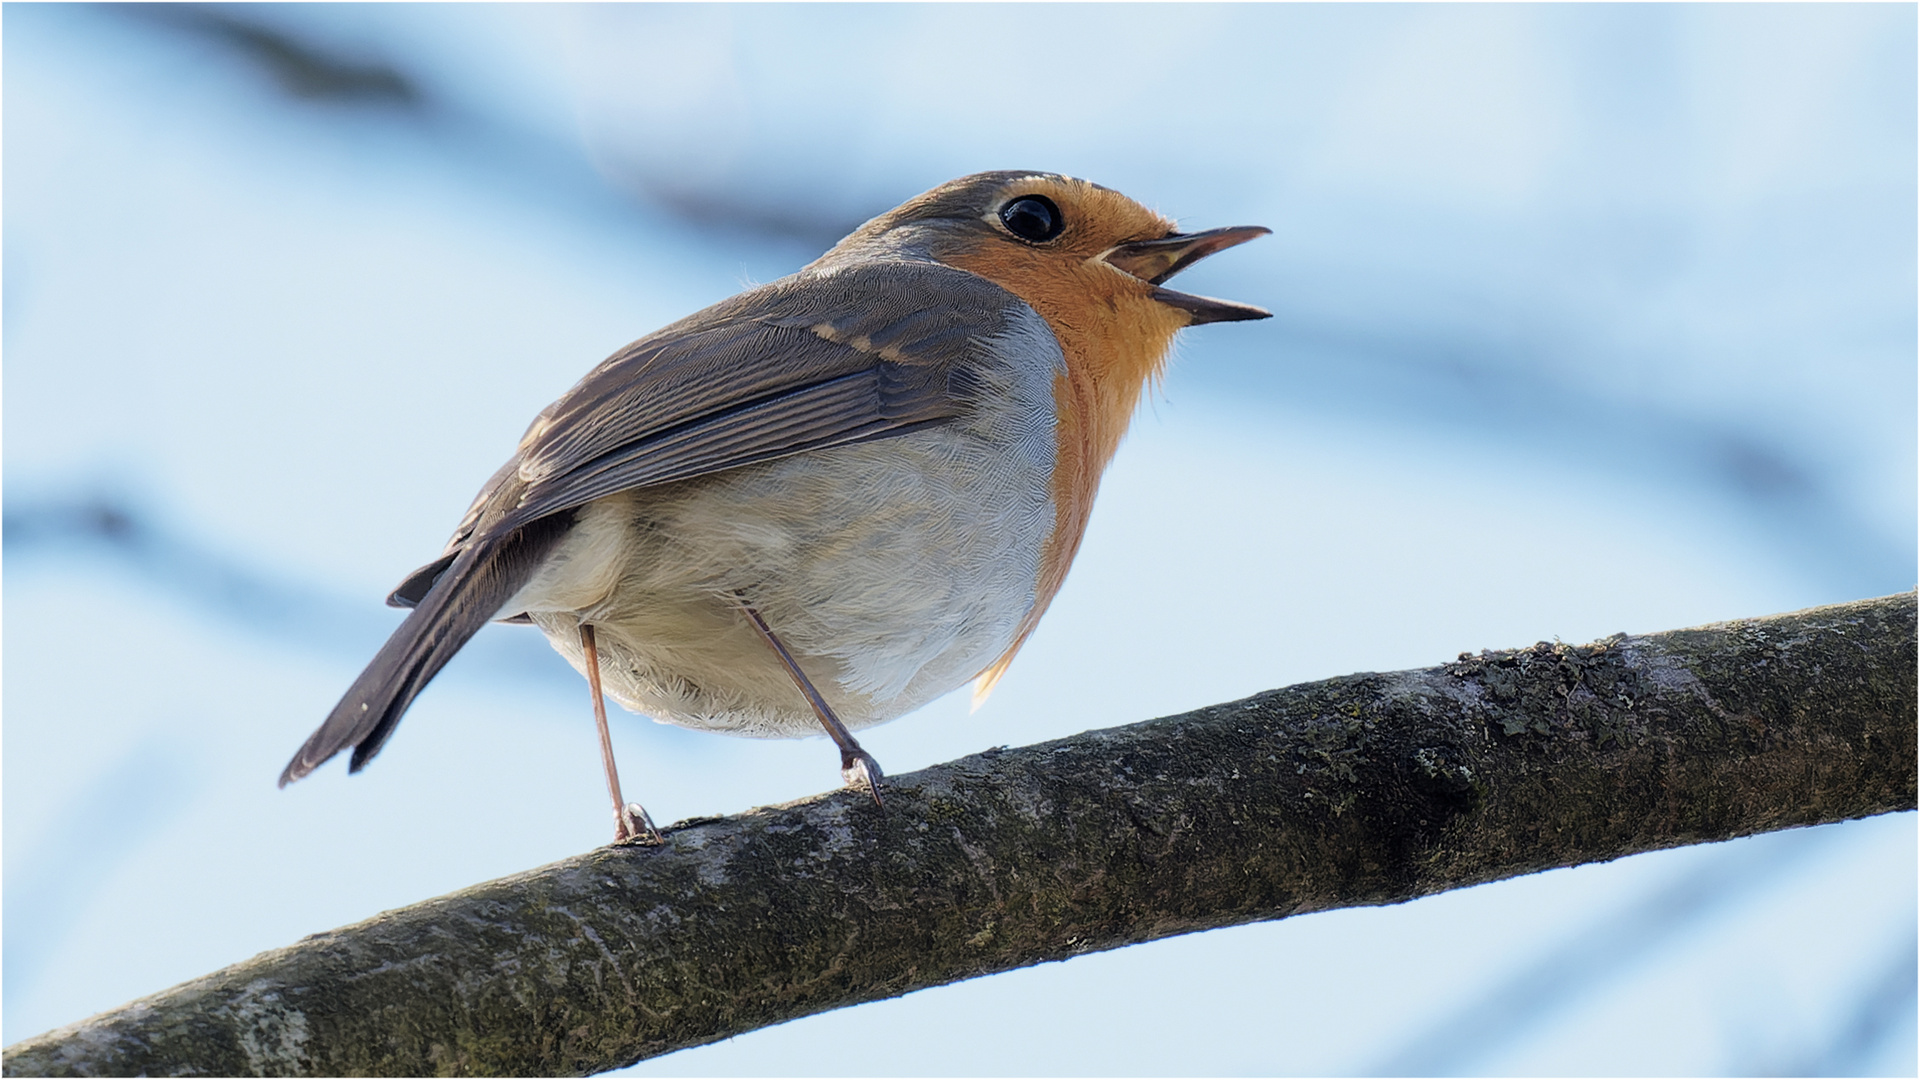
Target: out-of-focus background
{"x": 1587, "y": 319}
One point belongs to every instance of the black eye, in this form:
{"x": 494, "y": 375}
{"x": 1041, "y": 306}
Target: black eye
{"x": 1032, "y": 218}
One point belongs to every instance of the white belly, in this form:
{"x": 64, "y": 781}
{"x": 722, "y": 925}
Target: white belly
{"x": 893, "y": 570}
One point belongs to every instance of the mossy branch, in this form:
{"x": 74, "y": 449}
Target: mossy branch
{"x": 1369, "y": 789}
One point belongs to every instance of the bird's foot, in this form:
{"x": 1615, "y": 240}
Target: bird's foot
{"x": 633, "y": 826}
{"x": 859, "y": 770}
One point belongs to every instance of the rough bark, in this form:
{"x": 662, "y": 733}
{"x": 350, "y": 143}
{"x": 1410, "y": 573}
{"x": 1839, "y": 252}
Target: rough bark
{"x": 1368, "y": 789}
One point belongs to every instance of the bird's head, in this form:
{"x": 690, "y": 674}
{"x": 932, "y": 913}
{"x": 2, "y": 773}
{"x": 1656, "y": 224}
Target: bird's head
{"x": 1084, "y": 256}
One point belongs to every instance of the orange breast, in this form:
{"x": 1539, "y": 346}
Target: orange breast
{"x": 1115, "y": 340}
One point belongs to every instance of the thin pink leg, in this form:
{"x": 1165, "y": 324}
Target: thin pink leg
{"x": 631, "y": 825}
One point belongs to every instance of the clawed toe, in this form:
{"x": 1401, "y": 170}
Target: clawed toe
{"x": 858, "y": 769}
{"x": 634, "y": 826}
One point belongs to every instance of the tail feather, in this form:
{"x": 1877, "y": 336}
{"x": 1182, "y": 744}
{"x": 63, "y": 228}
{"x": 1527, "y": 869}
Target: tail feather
{"x": 467, "y": 594}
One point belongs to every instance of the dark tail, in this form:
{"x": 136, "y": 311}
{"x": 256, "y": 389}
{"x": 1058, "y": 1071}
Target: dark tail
{"x": 468, "y": 592}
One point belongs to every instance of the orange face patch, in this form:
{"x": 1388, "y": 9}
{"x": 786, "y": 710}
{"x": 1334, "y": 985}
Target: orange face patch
{"x": 1114, "y": 336}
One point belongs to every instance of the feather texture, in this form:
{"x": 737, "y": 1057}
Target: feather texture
{"x": 805, "y": 364}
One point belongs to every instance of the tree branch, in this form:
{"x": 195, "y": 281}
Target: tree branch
{"x": 1369, "y": 789}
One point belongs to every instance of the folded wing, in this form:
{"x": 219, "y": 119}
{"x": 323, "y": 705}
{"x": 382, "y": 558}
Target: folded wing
{"x": 802, "y": 364}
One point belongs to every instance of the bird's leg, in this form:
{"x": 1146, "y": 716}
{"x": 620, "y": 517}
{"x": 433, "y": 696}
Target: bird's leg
{"x": 857, "y": 767}
{"x": 631, "y": 825}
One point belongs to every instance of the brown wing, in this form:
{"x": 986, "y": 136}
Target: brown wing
{"x": 804, "y": 363}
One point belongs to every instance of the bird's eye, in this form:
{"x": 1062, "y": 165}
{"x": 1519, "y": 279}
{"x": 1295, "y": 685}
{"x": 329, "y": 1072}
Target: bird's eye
{"x": 1032, "y": 218}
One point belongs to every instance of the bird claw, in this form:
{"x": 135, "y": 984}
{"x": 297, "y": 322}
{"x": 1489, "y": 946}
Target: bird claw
{"x": 633, "y": 826}
{"x": 858, "y": 769}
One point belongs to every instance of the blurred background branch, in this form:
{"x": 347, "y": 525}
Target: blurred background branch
{"x": 257, "y": 599}
{"x": 1371, "y": 789}
{"x": 301, "y": 67}
{"x": 310, "y": 69}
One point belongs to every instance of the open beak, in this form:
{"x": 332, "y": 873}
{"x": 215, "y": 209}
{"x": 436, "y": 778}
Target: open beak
{"x": 1154, "y": 261}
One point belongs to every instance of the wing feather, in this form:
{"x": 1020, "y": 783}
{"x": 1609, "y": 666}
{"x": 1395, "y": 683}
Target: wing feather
{"x": 800, "y": 364}
{"x": 840, "y": 410}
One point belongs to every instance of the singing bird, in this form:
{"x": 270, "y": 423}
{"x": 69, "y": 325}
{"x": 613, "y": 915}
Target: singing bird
{"x": 830, "y": 499}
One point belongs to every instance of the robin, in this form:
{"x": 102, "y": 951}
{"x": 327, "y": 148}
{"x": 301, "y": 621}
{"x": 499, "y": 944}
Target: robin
{"x": 830, "y": 499}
